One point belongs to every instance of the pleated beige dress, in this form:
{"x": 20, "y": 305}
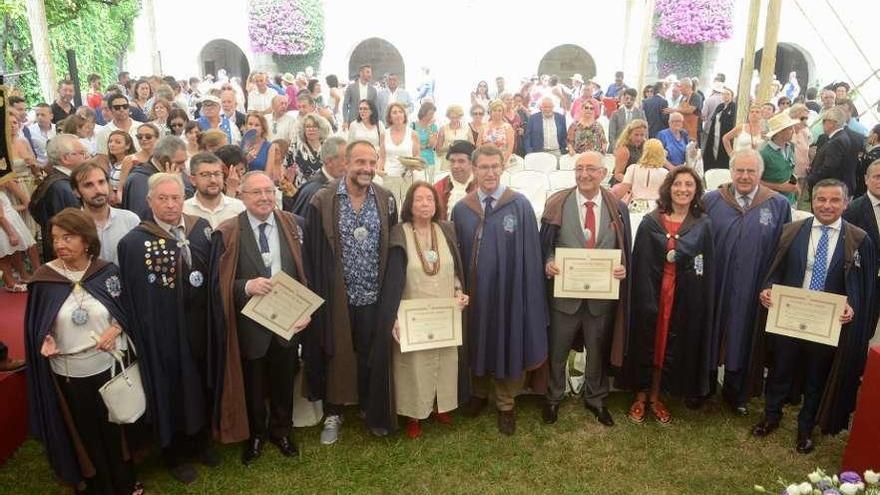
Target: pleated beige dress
{"x": 420, "y": 377}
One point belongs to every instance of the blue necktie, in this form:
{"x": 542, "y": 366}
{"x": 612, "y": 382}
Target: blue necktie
{"x": 488, "y": 209}
{"x": 820, "y": 268}
{"x": 264, "y": 244}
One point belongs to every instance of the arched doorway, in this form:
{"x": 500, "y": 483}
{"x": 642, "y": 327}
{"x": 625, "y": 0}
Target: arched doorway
{"x": 223, "y": 54}
{"x": 381, "y": 55}
{"x": 565, "y": 61}
{"x": 789, "y": 58}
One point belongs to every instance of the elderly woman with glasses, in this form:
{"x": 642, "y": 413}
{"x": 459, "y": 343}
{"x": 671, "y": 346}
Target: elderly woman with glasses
{"x": 147, "y": 135}
{"x": 305, "y": 154}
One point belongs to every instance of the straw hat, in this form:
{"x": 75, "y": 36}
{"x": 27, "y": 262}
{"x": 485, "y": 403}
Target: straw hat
{"x": 779, "y": 122}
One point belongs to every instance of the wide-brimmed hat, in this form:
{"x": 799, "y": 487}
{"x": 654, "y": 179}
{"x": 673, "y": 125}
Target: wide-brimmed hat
{"x": 288, "y": 78}
{"x": 779, "y": 122}
{"x": 210, "y": 99}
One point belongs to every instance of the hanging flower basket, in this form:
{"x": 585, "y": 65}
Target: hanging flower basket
{"x": 286, "y": 27}
{"x": 689, "y": 22}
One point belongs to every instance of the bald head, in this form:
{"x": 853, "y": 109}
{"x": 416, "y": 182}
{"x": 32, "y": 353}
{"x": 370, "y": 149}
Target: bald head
{"x": 547, "y": 107}
{"x": 589, "y": 173}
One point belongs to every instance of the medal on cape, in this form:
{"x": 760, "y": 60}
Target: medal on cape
{"x": 509, "y": 223}
{"x": 267, "y": 259}
{"x": 114, "y": 287}
{"x": 698, "y": 265}
{"x": 196, "y": 279}
{"x": 670, "y": 256}
{"x": 765, "y": 216}
{"x": 151, "y": 278}
{"x": 79, "y": 316}
{"x": 360, "y": 233}
{"x": 208, "y": 232}
{"x": 857, "y": 259}
{"x": 431, "y": 256}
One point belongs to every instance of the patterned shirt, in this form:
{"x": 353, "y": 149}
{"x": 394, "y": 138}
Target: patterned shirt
{"x": 360, "y": 258}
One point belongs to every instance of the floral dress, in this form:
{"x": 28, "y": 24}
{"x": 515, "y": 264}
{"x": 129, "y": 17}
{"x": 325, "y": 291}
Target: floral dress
{"x": 586, "y": 138}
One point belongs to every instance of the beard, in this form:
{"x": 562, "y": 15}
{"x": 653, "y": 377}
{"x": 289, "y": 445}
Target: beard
{"x": 98, "y": 201}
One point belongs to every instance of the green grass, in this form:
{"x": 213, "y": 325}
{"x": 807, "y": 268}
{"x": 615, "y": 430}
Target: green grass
{"x": 701, "y": 452}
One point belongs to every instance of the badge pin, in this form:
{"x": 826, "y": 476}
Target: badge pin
{"x": 151, "y": 278}
{"x": 670, "y": 256}
{"x": 361, "y": 233}
{"x": 196, "y": 279}
{"x": 509, "y": 223}
{"x": 698, "y": 265}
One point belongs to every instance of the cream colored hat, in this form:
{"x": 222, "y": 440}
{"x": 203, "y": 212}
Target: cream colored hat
{"x": 779, "y": 122}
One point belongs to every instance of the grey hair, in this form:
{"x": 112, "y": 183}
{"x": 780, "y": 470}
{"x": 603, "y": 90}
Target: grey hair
{"x": 678, "y": 114}
{"x": 167, "y": 147}
{"x": 835, "y": 114}
{"x": 323, "y": 127}
{"x": 748, "y": 153}
{"x": 830, "y": 183}
{"x": 333, "y": 147}
{"x": 160, "y": 178}
{"x": 253, "y": 173}
{"x": 59, "y": 146}
{"x": 872, "y": 166}
{"x": 595, "y": 154}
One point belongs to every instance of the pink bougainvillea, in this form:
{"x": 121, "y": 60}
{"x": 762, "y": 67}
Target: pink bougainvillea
{"x": 286, "y": 27}
{"x": 688, "y": 22}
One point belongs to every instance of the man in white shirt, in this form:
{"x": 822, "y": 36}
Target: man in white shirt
{"x": 824, "y": 254}
{"x": 394, "y": 93}
{"x": 455, "y": 186}
{"x": 42, "y": 130}
{"x": 280, "y": 121}
{"x": 209, "y": 202}
{"x": 121, "y": 121}
{"x": 260, "y": 99}
{"x": 91, "y": 184}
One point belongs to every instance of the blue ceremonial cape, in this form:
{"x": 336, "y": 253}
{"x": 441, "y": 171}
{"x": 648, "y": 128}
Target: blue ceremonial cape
{"x": 47, "y": 411}
{"x": 745, "y": 243}
{"x": 504, "y": 277}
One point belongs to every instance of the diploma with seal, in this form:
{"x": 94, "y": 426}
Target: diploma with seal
{"x": 805, "y": 314}
{"x": 279, "y": 310}
{"x": 429, "y": 324}
{"x": 586, "y": 273}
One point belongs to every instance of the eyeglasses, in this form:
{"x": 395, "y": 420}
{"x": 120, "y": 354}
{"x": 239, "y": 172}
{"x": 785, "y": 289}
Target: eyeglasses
{"x": 590, "y": 170}
{"x": 210, "y": 175}
{"x": 145, "y": 137}
{"x": 477, "y": 114}
{"x": 261, "y": 192}
{"x": 488, "y": 168}
{"x": 588, "y": 107}
{"x": 804, "y": 119}
{"x": 120, "y": 107}
{"x": 176, "y": 124}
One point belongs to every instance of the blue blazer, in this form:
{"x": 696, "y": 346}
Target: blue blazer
{"x": 534, "y": 137}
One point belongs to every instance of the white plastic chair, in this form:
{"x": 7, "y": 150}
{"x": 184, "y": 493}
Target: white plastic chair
{"x": 634, "y": 220}
{"x": 540, "y": 161}
{"x": 534, "y": 186}
{"x": 561, "y": 179}
{"x": 515, "y": 163}
{"x": 567, "y": 162}
{"x": 715, "y": 177}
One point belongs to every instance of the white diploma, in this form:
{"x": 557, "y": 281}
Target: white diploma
{"x": 429, "y": 324}
{"x": 279, "y": 310}
{"x": 586, "y": 273}
{"x": 805, "y": 314}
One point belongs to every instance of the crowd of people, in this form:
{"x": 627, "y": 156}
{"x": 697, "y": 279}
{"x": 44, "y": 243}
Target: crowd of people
{"x": 145, "y": 220}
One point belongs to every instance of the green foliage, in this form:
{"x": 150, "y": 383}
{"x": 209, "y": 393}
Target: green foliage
{"x": 99, "y": 32}
{"x": 298, "y": 63}
{"x": 681, "y": 60}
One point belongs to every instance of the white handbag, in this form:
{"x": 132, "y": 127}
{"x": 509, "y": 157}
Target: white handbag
{"x": 123, "y": 394}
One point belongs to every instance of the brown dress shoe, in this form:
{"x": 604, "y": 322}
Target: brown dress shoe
{"x": 506, "y": 422}
{"x": 475, "y": 406}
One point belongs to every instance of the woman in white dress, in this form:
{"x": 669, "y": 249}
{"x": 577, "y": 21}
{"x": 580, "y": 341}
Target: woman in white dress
{"x": 15, "y": 240}
{"x": 400, "y": 141}
{"x": 748, "y": 135}
{"x": 641, "y": 183}
{"x": 452, "y": 132}
{"x": 367, "y": 127}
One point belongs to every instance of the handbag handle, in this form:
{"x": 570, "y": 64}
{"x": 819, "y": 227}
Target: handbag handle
{"x": 118, "y": 356}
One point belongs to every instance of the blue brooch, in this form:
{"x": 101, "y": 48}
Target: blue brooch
{"x": 766, "y": 217}
{"x": 151, "y": 278}
{"x": 509, "y": 223}
{"x": 114, "y": 287}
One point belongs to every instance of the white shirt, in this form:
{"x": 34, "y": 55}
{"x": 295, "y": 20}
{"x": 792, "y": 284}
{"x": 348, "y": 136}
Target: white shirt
{"x": 119, "y": 223}
{"x": 582, "y": 212}
{"x": 751, "y": 196}
{"x": 39, "y": 138}
{"x": 363, "y": 91}
{"x": 815, "y": 234}
{"x": 226, "y": 209}
{"x": 104, "y": 134}
{"x": 282, "y": 127}
{"x": 551, "y": 142}
{"x": 456, "y": 194}
{"x": 260, "y": 102}
{"x": 167, "y": 227}
{"x": 271, "y": 236}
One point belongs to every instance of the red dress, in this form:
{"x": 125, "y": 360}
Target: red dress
{"x": 667, "y": 295}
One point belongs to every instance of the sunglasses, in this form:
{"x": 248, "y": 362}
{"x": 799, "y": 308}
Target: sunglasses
{"x": 120, "y": 107}
{"x": 477, "y": 114}
{"x": 145, "y": 137}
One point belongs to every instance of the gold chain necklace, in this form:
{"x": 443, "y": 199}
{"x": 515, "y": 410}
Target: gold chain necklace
{"x": 430, "y": 260}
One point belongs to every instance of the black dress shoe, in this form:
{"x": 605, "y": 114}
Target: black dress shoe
{"x": 550, "y": 413}
{"x": 287, "y": 448}
{"x": 209, "y": 457}
{"x": 184, "y": 473}
{"x": 506, "y": 422}
{"x": 252, "y": 451}
{"x": 475, "y": 406}
{"x": 694, "y": 403}
{"x": 602, "y": 414}
{"x": 804, "y": 442}
{"x": 764, "y": 428}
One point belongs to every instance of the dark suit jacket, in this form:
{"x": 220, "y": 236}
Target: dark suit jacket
{"x": 618, "y": 123}
{"x": 253, "y": 338}
{"x": 861, "y": 214}
{"x": 352, "y": 97}
{"x": 300, "y": 201}
{"x": 534, "y": 137}
{"x": 835, "y": 160}
{"x": 657, "y": 120}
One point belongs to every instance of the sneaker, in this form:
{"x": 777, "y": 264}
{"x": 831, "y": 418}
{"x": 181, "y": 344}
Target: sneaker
{"x": 330, "y": 433}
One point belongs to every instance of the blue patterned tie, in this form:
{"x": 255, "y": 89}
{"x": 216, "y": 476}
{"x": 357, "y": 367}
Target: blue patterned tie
{"x": 488, "y": 209}
{"x": 820, "y": 264}
{"x": 264, "y": 248}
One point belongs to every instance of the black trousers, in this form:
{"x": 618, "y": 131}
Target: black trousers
{"x": 270, "y": 376}
{"x": 790, "y": 357}
{"x": 102, "y": 439}
{"x": 363, "y": 321}
{"x": 188, "y": 446}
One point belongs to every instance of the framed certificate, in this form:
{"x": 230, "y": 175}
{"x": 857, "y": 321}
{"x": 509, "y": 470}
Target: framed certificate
{"x": 429, "y": 324}
{"x": 586, "y": 274}
{"x": 805, "y": 314}
{"x": 279, "y": 310}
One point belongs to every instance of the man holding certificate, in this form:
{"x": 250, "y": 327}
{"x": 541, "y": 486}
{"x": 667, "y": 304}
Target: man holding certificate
{"x": 584, "y": 218}
{"x": 507, "y": 320}
{"x": 830, "y": 255}
{"x": 248, "y": 250}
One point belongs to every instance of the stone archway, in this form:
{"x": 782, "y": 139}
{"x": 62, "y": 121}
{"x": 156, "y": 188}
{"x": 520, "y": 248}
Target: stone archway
{"x": 790, "y": 58}
{"x": 223, "y": 54}
{"x": 565, "y": 61}
{"x": 381, "y": 55}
